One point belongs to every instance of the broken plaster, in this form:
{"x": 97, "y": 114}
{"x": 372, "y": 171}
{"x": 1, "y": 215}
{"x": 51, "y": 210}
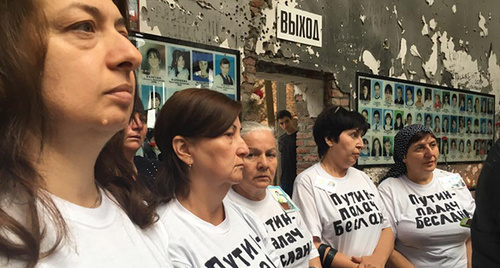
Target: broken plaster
{"x": 430, "y": 67}
{"x": 482, "y": 26}
{"x": 402, "y": 52}
{"x": 370, "y": 61}
{"x": 494, "y": 77}
{"x": 362, "y": 18}
{"x": 425, "y": 28}
{"x": 464, "y": 70}
{"x": 269, "y": 28}
{"x": 414, "y": 51}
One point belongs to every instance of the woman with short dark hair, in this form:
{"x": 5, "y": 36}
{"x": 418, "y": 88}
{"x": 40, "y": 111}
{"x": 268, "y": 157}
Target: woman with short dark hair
{"x": 425, "y": 204}
{"x": 334, "y": 197}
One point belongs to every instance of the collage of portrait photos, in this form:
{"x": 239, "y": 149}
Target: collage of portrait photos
{"x": 167, "y": 68}
{"x": 462, "y": 121}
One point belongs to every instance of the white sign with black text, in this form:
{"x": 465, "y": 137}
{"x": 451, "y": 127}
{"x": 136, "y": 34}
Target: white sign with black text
{"x": 299, "y": 26}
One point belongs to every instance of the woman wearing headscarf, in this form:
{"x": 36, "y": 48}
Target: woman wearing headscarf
{"x": 340, "y": 205}
{"x": 425, "y": 204}
{"x": 281, "y": 218}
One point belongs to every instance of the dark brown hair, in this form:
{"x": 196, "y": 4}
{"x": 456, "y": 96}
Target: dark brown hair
{"x": 23, "y": 31}
{"x": 193, "y": 114}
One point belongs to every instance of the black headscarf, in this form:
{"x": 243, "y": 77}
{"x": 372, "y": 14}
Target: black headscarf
{"x": 401, "y": 144}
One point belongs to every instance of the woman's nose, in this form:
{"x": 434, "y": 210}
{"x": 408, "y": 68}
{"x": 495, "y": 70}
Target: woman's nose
{"x": 263, "y": 162}
{"x": 242, "y": 149}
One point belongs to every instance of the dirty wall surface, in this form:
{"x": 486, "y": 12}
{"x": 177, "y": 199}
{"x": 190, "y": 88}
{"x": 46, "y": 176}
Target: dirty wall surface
{"x": 453, "y": 43}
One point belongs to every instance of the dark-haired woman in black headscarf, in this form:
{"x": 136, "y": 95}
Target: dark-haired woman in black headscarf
{"x": 425, "y": 204}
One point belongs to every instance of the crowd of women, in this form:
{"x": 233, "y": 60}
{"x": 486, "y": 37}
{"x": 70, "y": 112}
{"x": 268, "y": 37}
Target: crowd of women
{"x": 68, "y": 104}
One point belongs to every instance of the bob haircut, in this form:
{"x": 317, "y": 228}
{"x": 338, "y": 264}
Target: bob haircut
{"x": 193, "y": 114}
{"x": 331, "y": 122}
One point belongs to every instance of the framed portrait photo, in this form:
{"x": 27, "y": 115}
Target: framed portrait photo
{"x": 461, "y": 120}
{"x": 170, "y": 65}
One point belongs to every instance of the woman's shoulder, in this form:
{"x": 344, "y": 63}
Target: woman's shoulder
{"x": 167, "y": 211}
{"x": 442, "y": 173}
{"x": 241, "y": 212}
{"x": 389, "y": 183}
{"x": 309, "y": 175}
{"x": 354, "y": 173}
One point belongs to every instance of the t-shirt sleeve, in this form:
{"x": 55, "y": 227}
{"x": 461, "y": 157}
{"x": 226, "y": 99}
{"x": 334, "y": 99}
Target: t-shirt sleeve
{"x": 467, "y": 201}
{"x": 386, "y": 222}
{"x": 464, "y": 197}
{"x": 303, "y": 197}
{"x": 388, "y": 204}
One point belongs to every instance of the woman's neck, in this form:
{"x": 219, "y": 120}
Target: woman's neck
{"x": 205, "y": 199}
{"x": 257, "y": 194}
{"x": 419, "y": 177}
{"x": 67, "y": 166}
{"x": 332, "y": 168}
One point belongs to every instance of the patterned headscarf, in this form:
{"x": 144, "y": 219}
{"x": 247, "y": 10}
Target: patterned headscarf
{"x": 401, "y": 144}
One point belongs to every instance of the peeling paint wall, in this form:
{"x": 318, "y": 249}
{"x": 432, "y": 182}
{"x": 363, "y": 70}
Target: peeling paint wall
{"x": 451, "y": 43}
{"x": 219, "y": 23}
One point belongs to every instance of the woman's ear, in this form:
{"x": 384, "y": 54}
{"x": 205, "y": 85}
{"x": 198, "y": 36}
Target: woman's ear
{"x": 182, "y": 149}
{"x": 328, "y": 142}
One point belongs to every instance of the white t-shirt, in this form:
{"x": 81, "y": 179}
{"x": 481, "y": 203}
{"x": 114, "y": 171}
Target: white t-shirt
{"x": 426, "y": 218}
{"x": 102, "y": 237}
{"x": 290, "y": 238}
{"x": 240, "y": 240}
{"x": 346, "y": 213}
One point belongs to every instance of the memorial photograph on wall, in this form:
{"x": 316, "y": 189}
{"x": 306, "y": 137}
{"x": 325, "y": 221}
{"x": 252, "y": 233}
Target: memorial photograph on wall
{"x": 462, "y": 121}
{"x": 169, "y": 65}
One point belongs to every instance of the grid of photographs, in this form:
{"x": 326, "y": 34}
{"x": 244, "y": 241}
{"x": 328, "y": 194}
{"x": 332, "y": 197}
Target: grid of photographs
{"x": 170, "y": 65}
{"x": 463, "y": 121}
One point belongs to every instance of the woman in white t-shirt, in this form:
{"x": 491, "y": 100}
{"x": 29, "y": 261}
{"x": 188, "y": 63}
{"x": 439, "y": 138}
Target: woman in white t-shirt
{"x": 67, "y": 86}
{"x": 198, "y": 133}
{"x": 277, "y": 212}
{"x": 340, "y": 205}
{"x": 425, "y": 205}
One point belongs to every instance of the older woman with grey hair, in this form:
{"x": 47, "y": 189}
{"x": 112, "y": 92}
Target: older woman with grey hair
{"x": 425, "y": 204}
{"x": 271, "y": 203}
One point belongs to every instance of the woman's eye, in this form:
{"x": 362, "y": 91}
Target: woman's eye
{"x": 85, "y": 26}
{"x": 229, "y": 134}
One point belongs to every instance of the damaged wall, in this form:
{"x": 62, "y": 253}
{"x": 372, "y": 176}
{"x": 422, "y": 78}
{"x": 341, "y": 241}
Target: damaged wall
{"x": 451, "y": 43}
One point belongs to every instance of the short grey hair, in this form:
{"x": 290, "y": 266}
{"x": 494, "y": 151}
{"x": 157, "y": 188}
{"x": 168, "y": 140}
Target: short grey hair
{"x": 251, "y": 126}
